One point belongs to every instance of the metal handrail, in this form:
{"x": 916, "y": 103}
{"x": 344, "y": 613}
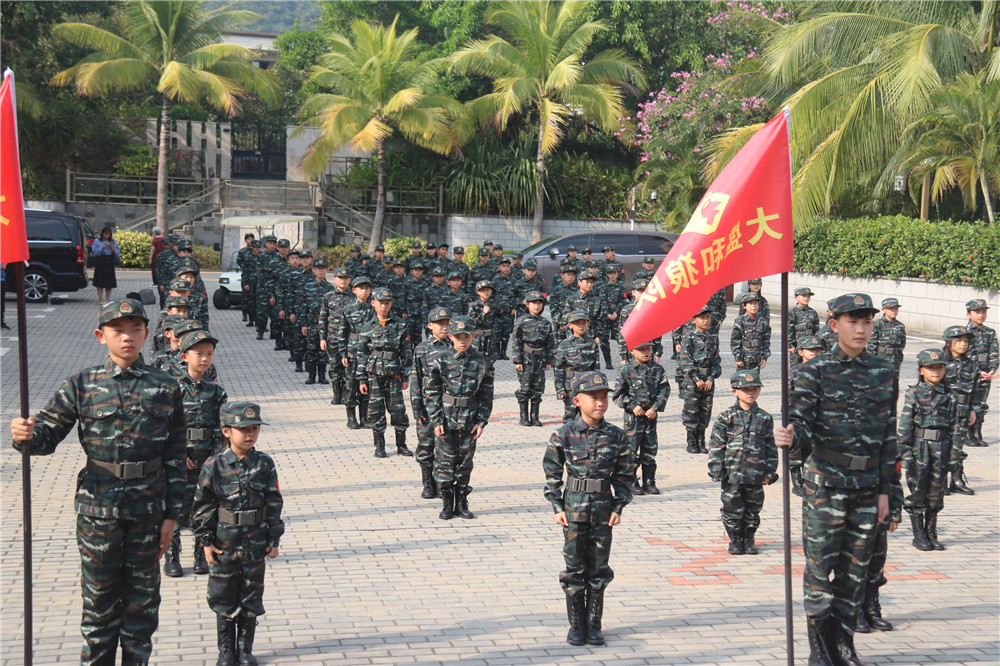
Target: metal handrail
{"x": 137, "y": 189}
{"x": 199, "y": 197}
{"x": 402, "y": 200}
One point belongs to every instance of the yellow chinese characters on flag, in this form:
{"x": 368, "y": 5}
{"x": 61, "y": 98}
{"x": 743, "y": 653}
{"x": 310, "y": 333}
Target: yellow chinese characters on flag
{"x": 741, "y": 229}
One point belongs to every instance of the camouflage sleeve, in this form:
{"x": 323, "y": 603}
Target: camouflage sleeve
{"x": 433, "y": 392}
{"x": 896, "y": 496}
{"x": 770, "y": 449}
{"x": 596, "y": 364}
{"x": 174, "y": 458}
{"x": 685, "y": 363}
{"x": 364, "y": 351}
{"x": 765, "y": 340}
{"x": 550, "y": 346}
{"x": 205, "y": 510}
{"x": 904, "y": 429}
{"x": 221, "y": 399}
{"x": 406, "y": 355}
{"x": 484, "y": 398}
{"x": 417, "y": 389}
{"x": 559, "y": 371}
{"x": 716, "y": 364}
{"x": 274, "y": 503}
{"x": 792, "y": 319}
{"x": 956, "y": 432}
{"x": 517, "y": 342}
{"x": 554, "y": 462}
{"x": 621, "y": 393}
{"x": 622, "y": 476}
{"x": 803, "y": 401}
{"x": 717, "y": 449}
{"x": 993, "y": 352}
{"x": 662, "y": 391}
{"x": 622, "y": 346}
{"x": 736, "y": 340}
{"x": 872, "y": 347}
{"x": 55, "y": 419}
{"x": 324, "y": 317}
{"x": 343, "y": 330}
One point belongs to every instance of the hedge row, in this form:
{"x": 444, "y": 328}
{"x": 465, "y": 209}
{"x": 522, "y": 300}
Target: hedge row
{"x": 134, "y": 246}
{"x": 902, "y": 247}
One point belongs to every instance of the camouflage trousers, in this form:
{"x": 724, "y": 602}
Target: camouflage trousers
{"x": 640, "y": 433}
{"x": 586, "y": 551}
{"x": 184, "y": 519}
{"x": 927, "y": 477}
{"x": 837, "y": 529}
{"x": 313, "y": 355}
{"x": 453, "y": 458}
{"x": 741, "y": 505}
{"x": 265, "y": 311}
{"x": 958, "y": 454}
{"x": 488, "y": 344}
{"x": 415, "y": 329}
{"x": 980, "y": 398}
{"x": 697, "y": 411}
{"x": 120, "y": 577}
{"x": 236, "y": 587}
{"x": 502, "y": 330}
{"x": 880, "y": 550}
{"x": 603, "y": 331}
{"x": 248, "y": 301}
{"x": 531, "y": 381}
{"x": 294, "y": 339}
{"x": 385, "y": 394}
{"x": 426, "y": 440}
{"x": 352, "y": 392}
{"x": 569, "y": 409}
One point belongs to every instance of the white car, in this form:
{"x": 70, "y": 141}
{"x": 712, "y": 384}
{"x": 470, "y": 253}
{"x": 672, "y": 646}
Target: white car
{"x": 230, "y": 291}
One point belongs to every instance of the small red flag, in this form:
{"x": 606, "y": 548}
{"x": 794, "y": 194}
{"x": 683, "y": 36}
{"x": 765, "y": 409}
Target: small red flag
{"x": 741, "y": 229}
{"x": 13, "y": 236}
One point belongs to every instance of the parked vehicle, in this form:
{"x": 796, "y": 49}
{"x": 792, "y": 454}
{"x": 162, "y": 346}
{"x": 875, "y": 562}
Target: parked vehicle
{"x": 57, "y": 245}
{"x": 630, "y": 249}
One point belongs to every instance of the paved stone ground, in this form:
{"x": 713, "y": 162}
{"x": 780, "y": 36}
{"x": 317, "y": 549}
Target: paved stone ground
{"x": 368, "y": 574}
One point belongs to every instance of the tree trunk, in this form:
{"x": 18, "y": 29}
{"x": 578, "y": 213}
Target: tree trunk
{"x": 379, "y": 220}
{"x": 162, "y": 172}
{"x": 536, "y": 226}
{"x": 986, "y": 195}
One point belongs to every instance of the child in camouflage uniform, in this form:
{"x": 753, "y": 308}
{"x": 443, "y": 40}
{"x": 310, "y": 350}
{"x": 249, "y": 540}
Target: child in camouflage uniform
{"x": 809, "y": 347}
{"x": 596, "y": 458}
{"x": 699, "y": 364}
{"x": 889, "y": 338}
{"x": 438, "y": 320}
{"x": 533, "y": 352}
{"x": 238, "y": 524}
{"x": 642, "y": 390}
{"x": 963, "y": 380}
{"x": 351, "y": 322}
{"x": 485, "y": 313}
{"x": 802, "y": 320}
{"x": 986, "y": 352}
{"x": 638, "y": 286}
{"x": 744, "y": 459}
{"x": 754, "y": 286}
{"x": 576, "y": 354}
{"x": 751, "y": 337}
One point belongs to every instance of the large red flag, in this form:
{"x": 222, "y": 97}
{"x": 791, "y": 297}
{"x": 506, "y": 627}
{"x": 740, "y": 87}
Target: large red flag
{"x": 13, "y": 237}
{"x": 741, "y": 229}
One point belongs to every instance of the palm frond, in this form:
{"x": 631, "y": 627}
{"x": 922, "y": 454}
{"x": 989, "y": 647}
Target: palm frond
{"x": 105, "y": 76}
{"x": 91, "y": 37}
{"x": 552, "y": 117}
{"x": 723, "y": 147}
{"x": 206, "y": 56}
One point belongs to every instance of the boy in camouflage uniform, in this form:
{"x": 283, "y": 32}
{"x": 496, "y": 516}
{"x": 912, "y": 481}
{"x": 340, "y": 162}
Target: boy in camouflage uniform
{"x": 717, "y": 304}
{"x": 238, "y": 525}
{"x": 416, "y": 301}
{"x": 638, "y": 286}
{"x": 809, "y": 347}
{"x": 577, "y": 353}
{"x": 202, "y": 401}
{"x": 437, "y": 321}
{"x": 825, "y": 332}
{"x": 802, "y": 320}
{"x": 165, "y": 269}
{"x": 503, "y": 291}
{"x": 612, "y": 298}
{"x": 533, "y": 351}
{"x": 130, "y": 422}
{"x": 484, "y": 270}
{"x": 986, "y": 352}
{"x": 352, "y": 321}
{"x": 647, "y": 271}
{"x": 485, "y": 314}
{"x": 455, "y": 299}
{"x": 459, "y": 400}
{"x": 565, "y": 288}
{"x": 263, "y": 272}
{"x": 177, "y": 306}
{"x": 385, "y": 358}
{"x": 698, "y": 364}
{"x": 889, "y": 338}
{"x": 963, "y": 380}
{"x": 641, "y": 391}
{"x": 530, "y": 281}
{"x": 596, "y": 459}
{"x": 841, "y": 405}
{"x": 744, "y": 459}
{"x": 588, "y": 300}
{"x": 330, "y": 308}
{"x": 750, "y": 341}
{"x": 316, "y": 291}
{"x": 754, "y": 286}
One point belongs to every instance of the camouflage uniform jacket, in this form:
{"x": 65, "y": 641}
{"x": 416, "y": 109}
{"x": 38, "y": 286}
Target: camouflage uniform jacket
{"x": 355, "y": 267}
{"x": 282, "y": 279}
{"x": 264, "y": 274}
{"x": 172, "y": 364}
{"x": 484, "y": 321}
{"x": 622, "y": 347}
{"x": 585, "y": 452}
{"x": 844, "y": 406}
{"x": 480, "y": 272}
{"x": 132, "y": 414}
{"x": 643, "y": 274}
{"x": 238, "y": 485}
{"x": 242, "y": 258}
{"x": 416, "y": 298}
{"x": 352, "y": 321}
{"x": 166, "y": 265}
{"x": 248, "y": 270}
{"x": 984, "y": 348}
{"x": 202, "y": 402}
{"x": 962, "y": 375}
{"x": 459, "y": 390}
{"x": 385, "y": 350}
{"x": 888, "y": 339}
{"x": 331, "y": 305}
{"x": 717, "y": 303}
{"x": 503, "y": 291}
{"x": 523, "y": 286}
{"x": 532, "y": 337}
{"x": 434, "y": 295}
{"x": 614, "y": 297}
{"x": 932, "y": 407}
{"x": 272, "y": 285}
{"x": 802, "y": 320}
{"x": 699, "y": 357}
{"x": 557, "y": 299}
{"x": 463, "y": 268}
{"x": 315, "y": 293}
{"x": 641, "y": 385}
{"x": 410, "y": 258}
{"x": 400, "y": 288}
{"x": 573, "y": 356}
{"x": 742, "y": 448}
{"x": 592, "y": 304}
{"x": 455, "y": 303}
{"x": 378, "y": 275}
{"x": 751, "y": 337}
{"x": 829, "y": 338}
{"x": 423, "y": 357}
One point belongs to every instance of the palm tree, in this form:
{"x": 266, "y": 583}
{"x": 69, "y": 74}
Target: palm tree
{"x": 174, "y": 45}
{"x": 542, "y": 67}
{"x": 377, "y": 87}
{"x": 859, "y": 74}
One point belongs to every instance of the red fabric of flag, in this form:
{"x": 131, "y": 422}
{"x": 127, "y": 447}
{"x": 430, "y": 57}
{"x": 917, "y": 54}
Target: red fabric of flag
{"x": 13, "y": 236}
{"x": 741, "y": 229}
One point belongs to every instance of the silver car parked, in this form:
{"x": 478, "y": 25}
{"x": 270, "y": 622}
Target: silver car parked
{"x": 630, "y": 249}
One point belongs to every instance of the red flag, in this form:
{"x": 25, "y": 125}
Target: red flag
{"x": 13, "y": 236}
{"x": 741, "y": 229}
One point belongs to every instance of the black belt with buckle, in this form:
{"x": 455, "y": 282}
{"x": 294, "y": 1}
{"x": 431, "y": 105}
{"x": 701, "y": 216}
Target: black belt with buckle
{"x": 962, "y": 398}
{"x": 387, "y": 355}
{"x": 750, "y": 344}
{"x": 853, "y": 463}
{"x": 125, "y": 470}
{"x": 534, "y": 350}
{"x": 484, "y": 331}
{"x": 930, "y": 434}
{"x": 198, "y": 434}
{"x": 354, "y": 336}
{"x": 455, "y": 401}
{"x": 588, "y": 485}
{"x": 247, "y": 518}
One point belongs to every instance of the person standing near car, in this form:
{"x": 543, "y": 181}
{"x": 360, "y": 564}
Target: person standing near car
{"x": 106, "y": 252}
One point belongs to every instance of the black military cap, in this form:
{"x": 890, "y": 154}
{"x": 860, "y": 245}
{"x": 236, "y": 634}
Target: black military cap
{"x": 320, "y": 263}
{"x": 745, "y": 379}
{"x": 122, "y": 307}
{"x": 930, "y": 357}
{"x": 461, "y": 324}
{"x": 529, "y": 264}
{"x": 517, "y": 255}
{"x": 180, "y": 284}
{"x": 192, "y": 338}
{"x": 458, "y": 250}
{"x": 240, "y": 414}
{"x": 360, "y": 280}
{"x": 255, "y": 243}
{"x": 438, "y": 314}
{"x": 498, "y": 246}
{"x": 416, "y": 244}
{"x": 590, "y": 381}
{"x": 355, "y": 248}
{"x": 379, "y": 248}
{"x": 186, "y": 326}
{"x": 382, "y": 294}
{"x": 177, "y": 301}
{"x": 484, "y": 284}
{"x": 535, "y": 295}
{"x": 341, "y": 272}
{"x": 443, "y": 245}
{"x": 487, "y": 242}
{"x": 852, "y": 303}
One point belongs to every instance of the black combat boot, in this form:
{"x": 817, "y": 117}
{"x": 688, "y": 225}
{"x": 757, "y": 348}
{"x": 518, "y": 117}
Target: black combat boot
{"x": 636, "y": 487}
{"x": 251, "y": 323}
{"x": 533, "y": 416}
{"x": 862, "y": 626}
{"x": 321, "y": 374}
{"x": 277, "y": 341}
{"x": 841, "y": 644}
{"x": 462, "y": 502}
{"x": 338, "y": 391}
{"x": 363, "y": 411}
{"x": 401, "y": 449}
{"x": 298, "y": 366}
{"x": 979, "y": 430}
{"x": 702, "y": 448}
{"x": 260, "y": 334}
{"x": 245, "y": 629}
{"x": 576, "y": 608}
{"x": 795, "y": 473}
{"x": 523, "y": 406}
{"x": 958, "y": 484}
{"x": 819, "y": 655}
{"x": 692, "y": 441}
{"x": 920, "y": 541}
{"x": 352, "y": 420}
{"x": 226, "y": 629}
{"x": 749, "y": 544}
{"x": 200, "y": 564}
{"x": 427, "y": 477}
{"x": 172, "y": 562}
{"x": 595, "y": 611}
{"x": 608, "y": 365}
{"x": 244, "y": 316}
{"x": 312, "y": 374}
{"x": 379, "y": 444}
{"x": 649, "y": 479}
{"x": 448, "y": 503}
{"x": 873, "y": 609}
{"x": 930, "y": 527}
{"x": 735, "y": 540}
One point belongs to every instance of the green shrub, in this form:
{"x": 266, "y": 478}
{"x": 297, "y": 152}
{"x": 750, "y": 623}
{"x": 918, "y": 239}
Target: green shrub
{"x": 206, "y": 256}
{"x": 902, "y": 247}
{"x": 137, "y": 161}
{"x": 589, "y": 190}
{"x": 400, "y": 247}
{"x": 335, "y": 256}
{"x": 134, "y": 247}
{"x": 471, "y": 257}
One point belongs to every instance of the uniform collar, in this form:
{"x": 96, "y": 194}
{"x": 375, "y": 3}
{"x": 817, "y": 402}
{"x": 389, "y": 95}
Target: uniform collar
{"x": 579, "y": 425}
{"x": 864, "y": 358}
{"x": 754, "y": 408}
{"x": 137, "y": 369}
{"x": 231, "y": 459}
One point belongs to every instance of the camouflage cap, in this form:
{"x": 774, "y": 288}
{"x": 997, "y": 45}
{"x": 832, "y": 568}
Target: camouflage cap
{"x": 747, "y": 297}
{"x": 458, "y": 249}
{"x": 438, "y": 314}
{"x": 484, "y": 284}
{"x": 379, "y": 248}
{"x": 294, "y": 253}
{"x": 745, "y": 379}
{"x": 590, "y": 381}
{"x": 613, "y": 267}
{"x": 577, "y": 315}
{"x": 341, "y": 272}
{"x": 171, "y": 238}
{"x": 702, "y": 310}
{"x": 517, "y": 255}
{"x": 360, "y": 281}
{"x": 443, "y": 245}
{"x": 187, "y": 265}
{"x": 382, "y": 294}
{"x": 955, "y": 332}
{"x": 437, "y": 271}
{"x": 976, "y": 304}
{"x": 809, "y": 342}
{"x": 648, "y": 260}
{"x": 240, "y": 414}
{"x": 803, "y": 291}
{"x": 305, "y": 254}
{"x": 170, "y": 321}
{"x": 185, "y": 244}
{"x": 483, "y": 252}
{"x": 852, "y": 303}
{"x": 535, "y": 295}
{"x": 592, "y": 263}
{"x": 498, "y": 246}
{"x": 416, "y": 245}
{"x": 177, "y": 301}
{"x": 355, "y": 248}
{"x": 586, "y": 275}
{"x": 284, "y": 242}
{"x": 122, "y": 307}
{"x": 320, "y": 263}
{"x": 487, "y": 242}
{"x": 829, "y": 304}
{"x": 180, "y": 284}
{"x": 188, "y": 325}
{"x": 255, "y": 243}
{"x": 755, "y": 281}
{"x": 454, "y": 275}
{"x": 571, "y": 248}
{"x": 530, "y": 264}
{"x": 387, "y": 260}
{"x": 568, "y": 268}
{"x": 504, "y": 260}
{"x": 270, "y": 238}
{"x": 890, "y": 303}
{"x": 930, "y": 357}
{"x": 417, "y": 264}
{"x": 586, "y": 250}
{"x": 461, "y": 324}
{"x": 639, "y": 285}
{"x": 608, "y": 248}
{"x": 566, "y": 261}
{"x": 191, "y": 338}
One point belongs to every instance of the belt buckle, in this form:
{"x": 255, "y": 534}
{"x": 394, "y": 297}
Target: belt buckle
{"x": 245, "y": 518}
{"x": 857, "y": 463}
{"x": 131, "y": 470}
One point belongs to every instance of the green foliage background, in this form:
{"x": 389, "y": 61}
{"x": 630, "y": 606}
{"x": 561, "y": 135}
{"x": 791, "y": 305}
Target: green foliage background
{"x": 134, "y": 246}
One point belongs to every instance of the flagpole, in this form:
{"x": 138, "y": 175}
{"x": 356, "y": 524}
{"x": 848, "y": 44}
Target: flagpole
{"x": 786, "y": 499}
{"x": 22, "y": 354}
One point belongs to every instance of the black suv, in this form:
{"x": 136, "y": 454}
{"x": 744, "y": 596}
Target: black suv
{"x": 57, "y": 245}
